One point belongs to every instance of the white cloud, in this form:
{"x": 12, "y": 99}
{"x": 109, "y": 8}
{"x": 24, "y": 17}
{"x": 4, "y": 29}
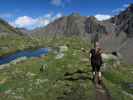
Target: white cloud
{"x": 117, "y": 10}
{"x": 42, "y": 22}
{"x": 58, "y": 15}
{"x": 126, "y": 5}
{"x": 49, "y": 15}
{"x": 56, "y": 2}
{"x": 102, "y": 17}
{"x": 24, "y": 21}
{"x": 60, "y": 3}
{"x": 31, "y": 23}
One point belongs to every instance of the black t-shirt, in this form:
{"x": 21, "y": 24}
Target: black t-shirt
{"x": 96, "y": 58}
{"x": 93, "y": 53}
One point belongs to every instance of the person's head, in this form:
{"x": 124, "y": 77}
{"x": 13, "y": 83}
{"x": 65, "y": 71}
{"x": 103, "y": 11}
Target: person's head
{"x": 99, "y": 50}
{"x": 97, "y": 45}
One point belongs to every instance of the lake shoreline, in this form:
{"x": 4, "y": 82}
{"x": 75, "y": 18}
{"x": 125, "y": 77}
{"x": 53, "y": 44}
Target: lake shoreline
{"x": 16, "y": 51}
{"x": 24, "y": 54}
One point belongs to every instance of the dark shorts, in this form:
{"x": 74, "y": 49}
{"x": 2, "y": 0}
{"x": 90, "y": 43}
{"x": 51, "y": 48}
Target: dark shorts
{"x": 95, "y": 68}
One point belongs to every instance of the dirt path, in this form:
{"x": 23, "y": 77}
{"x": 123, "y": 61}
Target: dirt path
{"x": 102, "y": 92}
{"x": 77, "y": 91}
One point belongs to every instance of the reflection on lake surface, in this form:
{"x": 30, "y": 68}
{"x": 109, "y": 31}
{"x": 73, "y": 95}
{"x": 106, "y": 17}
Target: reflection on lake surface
{"x": 26, "y": 53}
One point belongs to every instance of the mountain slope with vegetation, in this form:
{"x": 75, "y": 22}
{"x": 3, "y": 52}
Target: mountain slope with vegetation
{"x": 13, "y": 40}
{"x": 6, "y": 29}
{"x": 67, "y": 77}
{"x": 124, "y": 21}
{"x": 74, "y": 24}
{"x": 117, "y": 30}
{"x": 122, "y": 40}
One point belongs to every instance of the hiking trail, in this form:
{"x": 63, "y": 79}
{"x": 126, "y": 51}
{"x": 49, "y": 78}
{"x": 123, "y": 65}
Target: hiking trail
{"x": 102, "y": 92}
{"x": 78, "y": 93}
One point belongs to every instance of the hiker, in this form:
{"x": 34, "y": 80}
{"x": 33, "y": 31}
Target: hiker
{"x": 96, "y": 60}
{"x": 41, "y": 68}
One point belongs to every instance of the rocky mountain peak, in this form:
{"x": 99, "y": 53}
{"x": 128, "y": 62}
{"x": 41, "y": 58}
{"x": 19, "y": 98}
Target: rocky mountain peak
{"x": 92, "y": 18}
{"x": 75, "y": 14}
{"x": 130, "y": 8}
{"x": 124, "y": 21}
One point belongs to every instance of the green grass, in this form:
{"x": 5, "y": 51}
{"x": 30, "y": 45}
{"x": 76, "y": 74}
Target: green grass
{"x": 117, "y": 80}
{"x": 24, "y": 81}
{"x": 10, "y": 44}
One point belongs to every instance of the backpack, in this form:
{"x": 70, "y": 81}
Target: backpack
{"x": 96, "y": 58}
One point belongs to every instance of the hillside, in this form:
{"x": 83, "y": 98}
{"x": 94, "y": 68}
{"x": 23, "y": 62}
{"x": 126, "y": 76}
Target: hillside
{"x": 53, "y": 62}
{"x": 124, "y": 21}
{"x": 117, "y": 30}
{"x": 74, "y": 24}
{"x": 114, "y": 34}
{"x": 65, "y": 77}
{"x": 121, "y": 40}
{"x": 6, "y": 29}
{"x": 13, "y": 39}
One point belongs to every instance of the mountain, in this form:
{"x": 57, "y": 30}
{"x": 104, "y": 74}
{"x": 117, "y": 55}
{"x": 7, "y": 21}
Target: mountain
{"x": 24, "y": 31}
{"x": 67, "y": 25}
{"x": 74, "y": 24}
{"x": 124, "y": 21}
{"x": 6, "y": 29}
{"x": 114, "y": 34}
{"x": 121, "y": 40}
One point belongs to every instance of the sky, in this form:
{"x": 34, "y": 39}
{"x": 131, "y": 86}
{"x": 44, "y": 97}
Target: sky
{"x": 31, "y": 14}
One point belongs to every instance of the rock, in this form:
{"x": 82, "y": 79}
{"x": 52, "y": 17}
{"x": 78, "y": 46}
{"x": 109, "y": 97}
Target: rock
{"x": 29, "y": 74}
{"x": 4, "y": 66}
{"x": 108, "y": 57}
{"x": 130, "y": 86}
{"x": 74, "y": 24}
{"x": 59, "y": 56}
{"x": 18, "y": 60}
{"x": 63, "y": 48}
{"x": 128, "y": 94}
{"x": 3, "y": 81}
{"x": 124, "y": 21}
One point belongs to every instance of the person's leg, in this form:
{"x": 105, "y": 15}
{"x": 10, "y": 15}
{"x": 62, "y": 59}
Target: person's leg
{"x": 99, "y": 74}
{"x": 41, "y": 69}
{"x": 93, "y": 72}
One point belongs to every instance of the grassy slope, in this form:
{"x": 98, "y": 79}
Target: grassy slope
{"x": 24, "y": 81}
{"x": 117, "y": 80}
{"x": 5, "y": 27}
{"x": 50, "y": 84}
{"x": 12, "y": 43}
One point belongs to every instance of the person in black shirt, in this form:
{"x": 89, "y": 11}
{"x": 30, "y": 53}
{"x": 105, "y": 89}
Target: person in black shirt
{"x": 96, "y": 60}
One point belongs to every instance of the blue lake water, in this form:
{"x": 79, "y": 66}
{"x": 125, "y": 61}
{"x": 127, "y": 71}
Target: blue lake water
{"x": 26, "y": 53}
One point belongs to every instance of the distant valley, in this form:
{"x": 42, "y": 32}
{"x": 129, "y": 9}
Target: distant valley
{"x": 115, "y": 34}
